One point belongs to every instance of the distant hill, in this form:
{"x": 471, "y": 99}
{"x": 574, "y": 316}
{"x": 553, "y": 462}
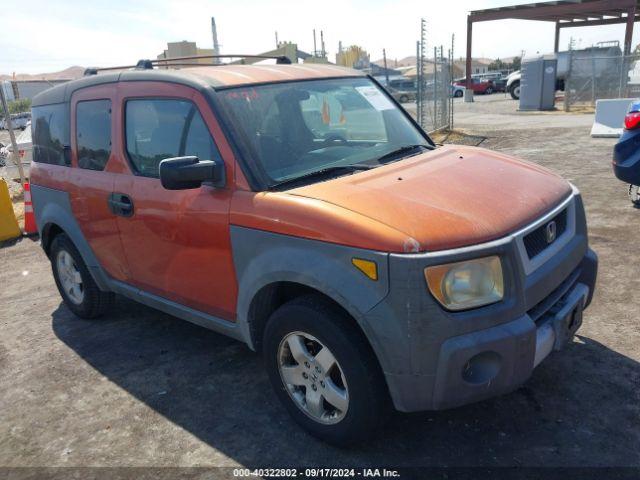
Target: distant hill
{"x": 399, "y": 62}
{"x": 66, "y": 74}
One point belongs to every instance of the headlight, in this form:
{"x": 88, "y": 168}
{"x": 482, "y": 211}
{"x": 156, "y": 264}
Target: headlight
{"x": 468, "y": 284}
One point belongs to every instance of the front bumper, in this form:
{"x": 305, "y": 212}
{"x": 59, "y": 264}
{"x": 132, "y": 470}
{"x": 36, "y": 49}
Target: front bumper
{"x": 626, "y": 157}
{"x": 433, "y": 359}
{"x": 497, "y": 360}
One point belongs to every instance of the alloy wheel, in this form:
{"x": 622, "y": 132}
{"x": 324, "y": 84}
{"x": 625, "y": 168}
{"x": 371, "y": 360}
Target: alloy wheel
{"x": 70, "y": 277}
{"x": 313, "y": 378}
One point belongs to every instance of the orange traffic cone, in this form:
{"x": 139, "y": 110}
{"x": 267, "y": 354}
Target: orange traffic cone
{"x": 29, "y": 218}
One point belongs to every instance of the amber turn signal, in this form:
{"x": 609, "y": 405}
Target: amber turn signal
{"x": 368, "y": 267}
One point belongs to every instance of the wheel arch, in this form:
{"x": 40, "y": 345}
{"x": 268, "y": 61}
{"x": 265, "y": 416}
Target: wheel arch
{"x": 54, "y": 216}
{"x": 276, "y": 294}
{"x": 48, "y": 232}
{"x": 273, "y": 268}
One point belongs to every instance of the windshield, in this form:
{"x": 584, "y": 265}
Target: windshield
{"x": 291, "y": 130}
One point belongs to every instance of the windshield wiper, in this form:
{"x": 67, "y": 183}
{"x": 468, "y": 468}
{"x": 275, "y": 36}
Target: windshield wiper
{"x": 323, "y": 172}
{"x": 401, "y": 150}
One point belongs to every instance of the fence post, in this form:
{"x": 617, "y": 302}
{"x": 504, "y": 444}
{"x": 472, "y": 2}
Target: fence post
{"x": 435, "y": 88}
{"x": 567, "y": 84}
{"x": 451, "y": 75}
{"x": 593, "y": 80}
{"x": 418, "y": 85}
{"x": 15, "y": 155}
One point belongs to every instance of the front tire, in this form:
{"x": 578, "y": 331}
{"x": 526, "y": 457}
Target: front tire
{"x": 404, "y": 99}
{"x": 458, "y": 93}
{"x": 324, "y": 371}
{"x": 634, "y": 195}
{"x": 75, "y": 284}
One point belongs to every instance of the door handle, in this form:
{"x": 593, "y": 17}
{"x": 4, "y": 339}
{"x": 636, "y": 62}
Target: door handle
{"x": 120, "y": 204}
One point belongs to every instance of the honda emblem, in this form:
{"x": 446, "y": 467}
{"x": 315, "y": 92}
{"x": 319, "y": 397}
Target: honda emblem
{"x": 550, "y": 231}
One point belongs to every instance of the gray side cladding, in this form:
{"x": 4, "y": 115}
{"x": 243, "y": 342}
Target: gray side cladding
{"x": 262, "y": 258}
{"x": 54, "y": 207}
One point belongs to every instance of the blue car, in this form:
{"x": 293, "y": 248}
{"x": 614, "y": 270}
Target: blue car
{"x": 626, "y": 153}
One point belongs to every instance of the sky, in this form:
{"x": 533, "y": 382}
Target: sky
{"x": 45, "y": 36}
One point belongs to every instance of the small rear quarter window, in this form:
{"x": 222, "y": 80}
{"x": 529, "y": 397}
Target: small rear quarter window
{"x": 50, "y": 125}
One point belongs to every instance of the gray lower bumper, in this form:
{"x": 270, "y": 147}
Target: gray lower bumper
{"x": 546, "y": 337}
{"x": 490, "y": 362}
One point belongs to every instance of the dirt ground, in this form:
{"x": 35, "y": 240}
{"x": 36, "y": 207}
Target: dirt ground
{"x": 140, "y": 388}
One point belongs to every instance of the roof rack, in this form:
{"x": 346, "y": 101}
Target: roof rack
{"x": 146, "y": 64}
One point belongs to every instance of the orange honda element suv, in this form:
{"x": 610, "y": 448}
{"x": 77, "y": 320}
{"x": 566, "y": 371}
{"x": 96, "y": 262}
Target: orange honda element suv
{"x": 301, "y": 210}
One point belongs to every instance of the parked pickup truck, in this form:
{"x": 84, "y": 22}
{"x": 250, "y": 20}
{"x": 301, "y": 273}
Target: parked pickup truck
{"x": 302, "y": 211}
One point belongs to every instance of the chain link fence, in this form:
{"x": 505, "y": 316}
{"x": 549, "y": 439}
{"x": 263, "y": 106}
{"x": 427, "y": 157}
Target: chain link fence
{"x": 434, "y": 100}
{"x": 600, "y": 77}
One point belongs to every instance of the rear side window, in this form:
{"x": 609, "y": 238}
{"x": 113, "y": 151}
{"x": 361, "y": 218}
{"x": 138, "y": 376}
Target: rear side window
{"x": 161, "y": 128}
{"x": 93, "y": 132}
{"x": 50, "y": 124}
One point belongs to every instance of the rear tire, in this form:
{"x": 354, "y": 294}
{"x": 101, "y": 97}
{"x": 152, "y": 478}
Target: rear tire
{"x": 75, "y": 284}
{"x": 488, "y": 91}
{"x": 514, "y": 90}
{"x": 404, "y": 99}
{"x": 313, "y": 324}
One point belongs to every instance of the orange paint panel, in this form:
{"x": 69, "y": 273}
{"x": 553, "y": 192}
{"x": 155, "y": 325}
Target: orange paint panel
{"x": 297, "y": 216}
{"x": 89, "y": 191}
{"x": 177, "y": 242}
{"x": 452, "y": 197}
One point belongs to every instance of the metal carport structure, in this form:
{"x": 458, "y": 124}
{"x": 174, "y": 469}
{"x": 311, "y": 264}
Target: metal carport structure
{"x": 565, "y": 13}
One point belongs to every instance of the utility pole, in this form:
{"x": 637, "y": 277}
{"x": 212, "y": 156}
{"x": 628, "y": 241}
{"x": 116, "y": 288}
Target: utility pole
{"x": 15, "y": 156}
{"x": 386, "y": 72}
{"x": 277, "y": 43}
{"x": 216, "y": 45}
{"x": 315, "y": 48}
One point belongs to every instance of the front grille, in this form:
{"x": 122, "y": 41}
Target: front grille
{"x": 537, "y": 241}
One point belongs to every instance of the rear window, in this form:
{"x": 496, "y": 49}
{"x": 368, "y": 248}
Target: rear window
{"x": 50, "y": 124}
{"x": 93, "y": 130}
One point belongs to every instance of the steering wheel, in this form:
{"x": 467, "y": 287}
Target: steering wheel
{"x": 334, "y": 138}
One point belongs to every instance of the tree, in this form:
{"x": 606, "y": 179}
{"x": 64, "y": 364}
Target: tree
{"x": 19, "y": 106}
{"x": 497, "y": 64}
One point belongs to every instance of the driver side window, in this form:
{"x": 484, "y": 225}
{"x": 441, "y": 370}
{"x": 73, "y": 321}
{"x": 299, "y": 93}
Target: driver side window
{"x": 157, "y": 129}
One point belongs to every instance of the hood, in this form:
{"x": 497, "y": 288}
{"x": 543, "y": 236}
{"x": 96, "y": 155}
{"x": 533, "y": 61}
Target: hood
{"x": 448, "y": 198}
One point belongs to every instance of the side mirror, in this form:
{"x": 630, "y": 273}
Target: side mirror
{"x": 183, "y": 173}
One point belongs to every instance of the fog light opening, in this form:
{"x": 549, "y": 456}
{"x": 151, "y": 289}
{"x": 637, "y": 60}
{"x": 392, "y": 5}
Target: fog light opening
{"x": 481, "y": 368}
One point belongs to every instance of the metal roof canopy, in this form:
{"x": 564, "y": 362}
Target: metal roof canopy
{"x": 565, "y": 13}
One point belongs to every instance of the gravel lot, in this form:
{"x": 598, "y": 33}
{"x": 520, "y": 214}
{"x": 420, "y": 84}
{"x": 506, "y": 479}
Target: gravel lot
{"x": 140, "y": 388}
